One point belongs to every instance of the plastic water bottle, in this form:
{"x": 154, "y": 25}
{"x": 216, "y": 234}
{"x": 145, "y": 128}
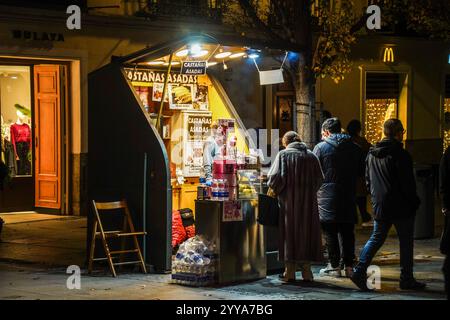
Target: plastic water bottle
{"x": 226, "y": 191}
{"x": 221, "y": 187}
{"x": 215, "y": 190}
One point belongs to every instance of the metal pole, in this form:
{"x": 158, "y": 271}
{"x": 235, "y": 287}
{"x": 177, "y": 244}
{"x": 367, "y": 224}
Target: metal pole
{"x": 158, "y": 121}
{"x": 144, "y": 208}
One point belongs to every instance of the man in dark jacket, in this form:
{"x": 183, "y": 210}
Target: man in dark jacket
{"x": 390, "y": 180}
{"x": 444, "y": 186}
{"x": 342, "y": 162}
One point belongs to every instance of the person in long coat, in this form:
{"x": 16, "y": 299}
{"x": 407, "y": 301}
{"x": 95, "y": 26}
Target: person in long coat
{"x": 295, "y": 177}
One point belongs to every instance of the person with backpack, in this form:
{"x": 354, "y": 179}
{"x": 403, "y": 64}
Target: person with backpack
{"x": 342, "y": 162}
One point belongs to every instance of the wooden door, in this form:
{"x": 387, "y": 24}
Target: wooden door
{"x": 47, "y": 136}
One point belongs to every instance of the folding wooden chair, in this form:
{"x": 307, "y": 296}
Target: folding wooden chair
{"x": 126, "y": 231}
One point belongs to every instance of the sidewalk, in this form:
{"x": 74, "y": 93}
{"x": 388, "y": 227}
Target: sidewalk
{"x": 34, "y": 257}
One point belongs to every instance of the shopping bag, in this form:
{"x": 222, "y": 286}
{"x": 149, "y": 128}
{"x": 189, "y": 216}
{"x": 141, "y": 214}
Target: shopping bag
{"x": 269, "y": 210}
{"x": 445, "y": 238}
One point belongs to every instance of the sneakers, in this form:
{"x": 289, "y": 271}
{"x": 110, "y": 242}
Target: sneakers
{"x": 360, "y": 280}
{"x": 330, "y": 271}
{"x": 412, "y": 284}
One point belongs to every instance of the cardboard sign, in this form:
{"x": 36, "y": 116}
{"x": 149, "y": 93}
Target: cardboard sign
{"x": 271, "y": 77}
{"x": 198, "y": 127}
{"x": 193, "y": 67}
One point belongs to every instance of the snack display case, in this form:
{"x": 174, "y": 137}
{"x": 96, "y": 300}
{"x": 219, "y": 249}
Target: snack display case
{"x": 248, "y": 184}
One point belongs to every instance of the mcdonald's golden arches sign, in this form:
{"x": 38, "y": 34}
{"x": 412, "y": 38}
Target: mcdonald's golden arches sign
{"x": 388, "y": 55}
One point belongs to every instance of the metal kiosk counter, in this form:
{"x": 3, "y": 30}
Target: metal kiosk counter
{"x": 238, "y": 236}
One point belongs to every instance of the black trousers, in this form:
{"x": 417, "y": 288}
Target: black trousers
{"x": 23, "y": 165}
{"x": 361, "y": 203}
{"x": 346, "y": 233}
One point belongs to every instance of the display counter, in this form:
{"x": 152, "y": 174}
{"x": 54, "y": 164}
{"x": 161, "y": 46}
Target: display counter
{"x": 238, "y": 237}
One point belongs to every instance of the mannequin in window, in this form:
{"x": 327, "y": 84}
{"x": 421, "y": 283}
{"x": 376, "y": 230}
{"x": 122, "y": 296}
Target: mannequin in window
{"x": 21, "y": 141}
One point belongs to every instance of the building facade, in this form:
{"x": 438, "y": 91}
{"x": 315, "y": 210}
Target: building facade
{"x": 44, "y": 68}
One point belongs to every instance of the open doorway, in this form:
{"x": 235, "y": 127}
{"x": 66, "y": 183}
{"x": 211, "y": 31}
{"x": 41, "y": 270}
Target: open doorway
{"x": 385, "y": 97}
{"x": 33, "y": 103}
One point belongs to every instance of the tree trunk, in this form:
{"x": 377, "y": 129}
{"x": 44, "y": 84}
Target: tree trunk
{"x": 305, "y": 101}
{"x": 304, "y": 77}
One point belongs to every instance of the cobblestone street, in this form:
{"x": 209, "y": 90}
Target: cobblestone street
{"x": 34, "y": 267}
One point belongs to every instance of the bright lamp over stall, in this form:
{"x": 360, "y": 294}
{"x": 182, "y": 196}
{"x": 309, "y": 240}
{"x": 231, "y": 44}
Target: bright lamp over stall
{"x": 182, "y": 53}
{"x": 174, "y": 63}
{"x": 195, "y": 49}
{"x": 200, "y": 54}
{"x": 237, "y": 55}
{"x": 253, "y": 56}
{"x": 222, "y": 55}
{"x": 155, "y": 63}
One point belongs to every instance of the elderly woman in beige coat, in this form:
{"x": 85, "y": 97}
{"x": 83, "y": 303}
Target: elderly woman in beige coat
{"x": 295, "y": 177}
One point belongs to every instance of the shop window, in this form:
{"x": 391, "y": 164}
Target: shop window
{"x": 15, "y": 109}
{"x": 446, "y": 125}
{"x": 381, "y": 104}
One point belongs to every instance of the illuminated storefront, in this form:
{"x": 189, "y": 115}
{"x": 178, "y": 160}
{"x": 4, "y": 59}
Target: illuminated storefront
{"x": 381, "y": 103}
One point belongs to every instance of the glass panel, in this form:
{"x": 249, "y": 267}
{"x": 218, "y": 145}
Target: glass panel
{"x": 377, "y": 112}
{"x": 15, "y": 108}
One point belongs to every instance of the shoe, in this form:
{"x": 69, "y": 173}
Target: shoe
{"x": 360, "y": 280}
{"x": 412, "y": 284}
{"x": 367, "y": 224}
{"x": 330, "y": 271}
{"x": 348, "y": 272}
{"x": 307, "y": 275}
{"x": 283, "y": 278}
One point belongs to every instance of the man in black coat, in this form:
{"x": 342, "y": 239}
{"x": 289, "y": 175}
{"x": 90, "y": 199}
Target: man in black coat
{"x": 390, "y": 180}
{"x": 342, "y": 162}
{"x": 444, "y": 186}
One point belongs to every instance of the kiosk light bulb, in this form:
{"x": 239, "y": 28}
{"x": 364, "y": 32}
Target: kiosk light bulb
{"x": 253, "y": 56}
{"x": 225, "y": 67}
{"x": 195, "y": 49}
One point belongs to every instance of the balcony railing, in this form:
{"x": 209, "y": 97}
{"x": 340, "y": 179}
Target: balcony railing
{"x": 210, "y": 9}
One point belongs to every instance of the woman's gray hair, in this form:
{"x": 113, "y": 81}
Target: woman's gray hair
{"x": 289, "y": 137}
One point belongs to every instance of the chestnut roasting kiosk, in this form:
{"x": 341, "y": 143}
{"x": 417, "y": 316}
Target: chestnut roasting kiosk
{"x": 130, "y": 158}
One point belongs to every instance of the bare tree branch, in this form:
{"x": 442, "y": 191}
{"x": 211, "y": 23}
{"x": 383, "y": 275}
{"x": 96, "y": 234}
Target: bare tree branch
{"x": 250, "y": 10}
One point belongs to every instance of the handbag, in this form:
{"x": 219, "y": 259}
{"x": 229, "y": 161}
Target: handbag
{"x": 269, "y": 210}
{"x": 445, "y": 237}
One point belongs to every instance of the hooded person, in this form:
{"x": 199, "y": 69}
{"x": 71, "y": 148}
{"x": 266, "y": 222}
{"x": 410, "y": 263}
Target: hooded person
{"x": 295, "y": 177}
{"x": 390, "y": 181}
{"x": 354, "y": 130}
{"x": 342, "y": 163}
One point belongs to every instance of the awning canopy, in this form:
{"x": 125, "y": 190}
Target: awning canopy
{"x": 172, "y": 46}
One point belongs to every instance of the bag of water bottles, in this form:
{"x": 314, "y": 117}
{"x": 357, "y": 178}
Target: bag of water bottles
{"x": 194, "y": 263}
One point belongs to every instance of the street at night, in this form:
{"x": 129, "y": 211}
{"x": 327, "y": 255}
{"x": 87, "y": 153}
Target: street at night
{"x": 225, "y": 157}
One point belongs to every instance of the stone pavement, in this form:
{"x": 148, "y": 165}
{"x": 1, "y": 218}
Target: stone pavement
{"x": 34, "y": 257}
